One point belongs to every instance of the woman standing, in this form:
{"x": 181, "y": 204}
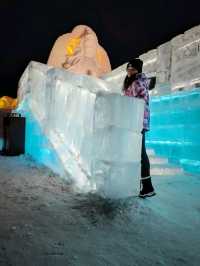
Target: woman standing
{"x": 136, "y": 85}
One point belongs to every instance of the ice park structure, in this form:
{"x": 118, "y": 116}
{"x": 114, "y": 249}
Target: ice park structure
{"x": 78, "y": 123}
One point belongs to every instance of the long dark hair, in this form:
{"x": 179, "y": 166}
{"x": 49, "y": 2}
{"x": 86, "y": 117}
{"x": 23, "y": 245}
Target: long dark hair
{"x": 128, "y": 81}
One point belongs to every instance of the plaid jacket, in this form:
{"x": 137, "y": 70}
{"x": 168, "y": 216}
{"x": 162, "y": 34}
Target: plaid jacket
{"x": 139, "y": 89}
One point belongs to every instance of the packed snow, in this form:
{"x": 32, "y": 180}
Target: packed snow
{"x": 44, "y": 222}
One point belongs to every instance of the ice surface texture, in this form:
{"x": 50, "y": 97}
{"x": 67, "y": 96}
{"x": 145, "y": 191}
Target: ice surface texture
{"x": 87, "y": 131}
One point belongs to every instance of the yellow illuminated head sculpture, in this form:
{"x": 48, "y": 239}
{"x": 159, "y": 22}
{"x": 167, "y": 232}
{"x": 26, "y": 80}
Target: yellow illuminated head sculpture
{"x": 80, "y": 52}
{"x": 7, "y": 102}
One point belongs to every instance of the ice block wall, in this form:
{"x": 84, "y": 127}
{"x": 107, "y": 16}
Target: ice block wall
{"x": 150, "y": 62}
{"x": 175, "y": 64}
{"x": 185, "y": 67}
{"x": 175, "y": 127}
{"x": 85, "y": 127}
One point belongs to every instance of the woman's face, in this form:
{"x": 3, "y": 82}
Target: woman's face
{"x": 131, "y": 71}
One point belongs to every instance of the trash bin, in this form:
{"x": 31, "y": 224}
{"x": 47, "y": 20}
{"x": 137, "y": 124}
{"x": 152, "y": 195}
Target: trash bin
{"x": 13, "y": 134}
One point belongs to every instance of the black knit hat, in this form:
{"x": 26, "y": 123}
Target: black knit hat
{"x": 136, "y": 63}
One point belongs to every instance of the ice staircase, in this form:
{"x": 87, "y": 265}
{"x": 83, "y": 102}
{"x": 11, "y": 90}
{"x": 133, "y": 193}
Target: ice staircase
{"x": 175, "y": 124}
{"x": 161, "y": 166}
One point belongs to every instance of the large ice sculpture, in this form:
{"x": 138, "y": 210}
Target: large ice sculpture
{"x": 87, "y": 131}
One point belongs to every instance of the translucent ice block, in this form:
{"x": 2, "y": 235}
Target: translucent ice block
{"x": 88, "y": 127}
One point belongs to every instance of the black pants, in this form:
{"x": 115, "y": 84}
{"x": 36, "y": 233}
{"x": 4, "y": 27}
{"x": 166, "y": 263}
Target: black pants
{"x": 145, "y": 165}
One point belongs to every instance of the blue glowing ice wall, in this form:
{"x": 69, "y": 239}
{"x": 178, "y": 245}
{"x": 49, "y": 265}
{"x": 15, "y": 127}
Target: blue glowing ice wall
{"x": 175, "y": 128}
{"x": 38, "y": 146}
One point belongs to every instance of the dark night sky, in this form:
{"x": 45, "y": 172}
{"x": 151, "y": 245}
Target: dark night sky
{"x": 126, "y": 30}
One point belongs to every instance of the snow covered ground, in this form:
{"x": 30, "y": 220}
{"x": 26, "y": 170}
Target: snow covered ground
{"x": 43, "y": 222}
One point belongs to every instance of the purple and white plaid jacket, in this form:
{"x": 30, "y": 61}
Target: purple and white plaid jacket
{"x": 139, "y": 89}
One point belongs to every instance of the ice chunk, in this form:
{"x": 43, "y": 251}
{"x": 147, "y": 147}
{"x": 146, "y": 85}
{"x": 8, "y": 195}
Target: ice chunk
{"x": 113, "y": 109}
{"x": 115, "y": 180}
{"x": 95, "y": 134}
